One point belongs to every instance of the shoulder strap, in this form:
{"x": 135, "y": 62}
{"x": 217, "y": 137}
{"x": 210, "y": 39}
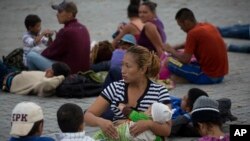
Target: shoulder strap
{"x": 136, "y": 26}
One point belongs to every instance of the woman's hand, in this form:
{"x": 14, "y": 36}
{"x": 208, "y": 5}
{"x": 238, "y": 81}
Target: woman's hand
{"x": 109, "y": 129}
{"x": 121, "y": 26}
{"x": 139, "y": 127}
{"x": 168, "y": 48}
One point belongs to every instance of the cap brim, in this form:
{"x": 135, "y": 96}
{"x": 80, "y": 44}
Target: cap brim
{"x": 20, "y": 129}
{"x": 55, "y": 7}
{"x": 128, "y": 41}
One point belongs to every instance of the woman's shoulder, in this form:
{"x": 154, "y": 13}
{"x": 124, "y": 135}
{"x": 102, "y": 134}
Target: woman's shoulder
{"x": 155, "y": 84}
{"x": 130, "y": 28}
{"x": 138, "y": 24}
{"x": 149, "y": 25}
{"x": 118, "y": 84}
{"x": 158, "y": 86}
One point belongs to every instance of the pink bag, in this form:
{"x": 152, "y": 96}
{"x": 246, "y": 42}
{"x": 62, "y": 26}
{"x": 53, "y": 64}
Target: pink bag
{"x": 164, "y": 72}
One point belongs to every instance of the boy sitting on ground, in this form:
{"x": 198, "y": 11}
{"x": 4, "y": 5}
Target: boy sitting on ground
{"x": 32, "y": 39}
{"x": 70, "y": 121}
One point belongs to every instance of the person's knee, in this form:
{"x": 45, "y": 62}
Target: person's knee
{"x": 32, "y": 59}
{"x": 32, "y": 55}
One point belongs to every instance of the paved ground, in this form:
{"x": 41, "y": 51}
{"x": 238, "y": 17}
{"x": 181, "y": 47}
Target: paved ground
{"x": 101, "y": 17}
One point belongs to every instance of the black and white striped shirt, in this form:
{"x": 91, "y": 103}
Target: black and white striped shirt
{"x": 116, "y": 93}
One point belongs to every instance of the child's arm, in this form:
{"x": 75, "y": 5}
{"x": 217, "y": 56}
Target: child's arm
{"x": 30, "y": 41}
{"x": 43, "y": 37}
{"x": 132, "y": 114}
{"x": 48, "y": 85}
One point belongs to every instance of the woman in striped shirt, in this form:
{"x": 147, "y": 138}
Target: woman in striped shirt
{"x": 135, "y": 90}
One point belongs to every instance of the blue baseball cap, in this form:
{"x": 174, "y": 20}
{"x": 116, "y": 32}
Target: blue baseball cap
{"x": 129, "y": 38}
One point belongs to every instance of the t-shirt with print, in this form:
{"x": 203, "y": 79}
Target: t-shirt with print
{"x": 116, "y": 93}
{"x": 208, "y": 47}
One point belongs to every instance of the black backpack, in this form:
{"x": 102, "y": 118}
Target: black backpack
{"x": 15, "y": 59}
{"x": 78, "y": 86}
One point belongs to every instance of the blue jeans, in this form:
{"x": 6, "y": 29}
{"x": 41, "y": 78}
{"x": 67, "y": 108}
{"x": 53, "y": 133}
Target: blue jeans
{"x": 193, "y": 73}
{"x": 36, "y": 61}
{"x": 239, "y": 48}
{"x": 235, "y": 31}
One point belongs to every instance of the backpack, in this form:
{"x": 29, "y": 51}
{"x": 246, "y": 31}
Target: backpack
{"x": 15, "y": 59}
{"x": 78, "y": 86}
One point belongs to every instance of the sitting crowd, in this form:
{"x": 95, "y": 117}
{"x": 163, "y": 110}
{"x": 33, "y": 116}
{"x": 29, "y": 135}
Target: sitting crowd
{"x": 132, "y": 104}
{"x": 201, "y": 118}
